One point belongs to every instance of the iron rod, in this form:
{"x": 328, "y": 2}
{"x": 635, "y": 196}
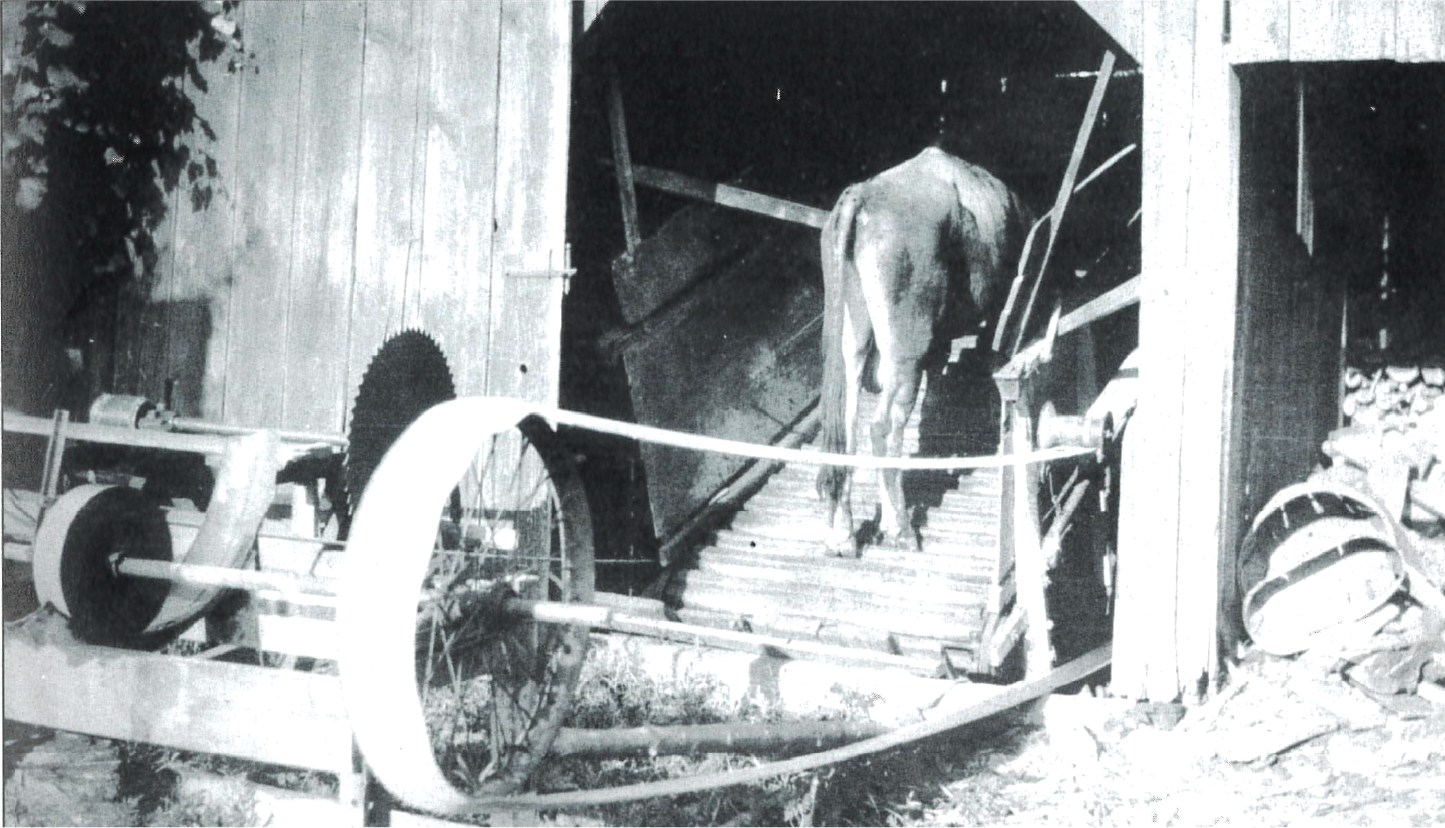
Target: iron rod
{"x": 293, "y": 588}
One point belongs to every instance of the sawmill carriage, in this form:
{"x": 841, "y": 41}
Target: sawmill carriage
{"x": 432, "y": 257}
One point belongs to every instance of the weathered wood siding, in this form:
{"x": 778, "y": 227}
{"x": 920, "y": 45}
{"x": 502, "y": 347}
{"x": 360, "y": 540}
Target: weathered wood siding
{"x": 1320, "y": 30}
{"x": 381, "y": 166}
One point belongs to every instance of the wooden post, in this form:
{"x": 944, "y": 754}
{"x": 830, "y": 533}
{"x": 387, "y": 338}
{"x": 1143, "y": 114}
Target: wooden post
{"x": 1178, "y": 477}
{"x": 1022, "y": 539}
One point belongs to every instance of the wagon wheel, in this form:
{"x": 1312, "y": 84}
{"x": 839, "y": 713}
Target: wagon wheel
{"x": 449, "y": 698}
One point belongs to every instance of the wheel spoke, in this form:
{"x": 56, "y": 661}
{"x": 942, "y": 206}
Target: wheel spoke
{"x": 507, "y": 520}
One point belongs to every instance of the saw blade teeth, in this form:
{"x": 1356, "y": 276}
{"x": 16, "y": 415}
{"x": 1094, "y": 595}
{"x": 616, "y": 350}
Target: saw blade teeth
{"x": 406, "y": 376}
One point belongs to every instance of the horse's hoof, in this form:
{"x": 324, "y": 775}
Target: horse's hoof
{"x": 841, "y": 549}
{"x": 901, "y": 541}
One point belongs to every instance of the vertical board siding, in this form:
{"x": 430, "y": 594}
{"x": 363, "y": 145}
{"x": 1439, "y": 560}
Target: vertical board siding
{"x": 200, "y": 300}
{"x": 1420, "y": 30}
{"x": 461, "y": 140}
{"x": 1259, "y": 30}
{"x": 1341, "y": 30}
{"x": 1336, "y": 30}
{"x": 140, "y": 331}
{"x": 392, "y": 166}
{"x": 322, "y": 254}
{"x": 530, "y": 202}
{"x": 265, "y": 182}
{"x": 355, "y": 195}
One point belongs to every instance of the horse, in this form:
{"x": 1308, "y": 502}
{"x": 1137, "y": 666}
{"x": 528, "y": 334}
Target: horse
{"x": 913, "y": 257}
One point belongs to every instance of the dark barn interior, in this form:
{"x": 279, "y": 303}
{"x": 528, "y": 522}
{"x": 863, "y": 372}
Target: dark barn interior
{"x": 1341, "y": 254}
{"x": 797, "y": 100}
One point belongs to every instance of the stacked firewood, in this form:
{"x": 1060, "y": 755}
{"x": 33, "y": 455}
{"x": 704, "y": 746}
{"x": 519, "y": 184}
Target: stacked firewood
{"x": 1393, "y": 393}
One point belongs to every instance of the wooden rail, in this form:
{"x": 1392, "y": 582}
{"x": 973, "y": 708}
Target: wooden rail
{"x": 278, "y": 717}
{"x": 727, "y": 195}
{"x": 214, "y": 442}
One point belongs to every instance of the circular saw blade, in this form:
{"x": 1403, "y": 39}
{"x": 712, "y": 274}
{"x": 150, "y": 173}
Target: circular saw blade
{"x": 407, "y": 376}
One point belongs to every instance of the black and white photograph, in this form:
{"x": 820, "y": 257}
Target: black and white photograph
{"x": 723, "y": 412}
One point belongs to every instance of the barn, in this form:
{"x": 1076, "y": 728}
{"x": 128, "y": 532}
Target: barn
{"x": 615, "y": 207}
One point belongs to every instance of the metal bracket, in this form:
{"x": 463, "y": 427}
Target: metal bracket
{"x": 565, "y": 273}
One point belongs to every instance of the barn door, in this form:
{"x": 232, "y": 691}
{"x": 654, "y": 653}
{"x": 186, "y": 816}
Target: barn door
{"x": 529, "y": 262}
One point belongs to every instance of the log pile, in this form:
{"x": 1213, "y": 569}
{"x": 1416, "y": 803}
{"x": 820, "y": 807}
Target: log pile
{"x": 1392, "y": 393}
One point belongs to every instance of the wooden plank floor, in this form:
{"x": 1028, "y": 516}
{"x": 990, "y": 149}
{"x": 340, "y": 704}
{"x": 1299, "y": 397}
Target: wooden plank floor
{"x": 765, "y": 571}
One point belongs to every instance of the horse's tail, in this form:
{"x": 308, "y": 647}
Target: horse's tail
{"x": 837, "y": 242}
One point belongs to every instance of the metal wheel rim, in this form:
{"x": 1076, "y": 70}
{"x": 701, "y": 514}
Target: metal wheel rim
{"x": 386, "y": 567}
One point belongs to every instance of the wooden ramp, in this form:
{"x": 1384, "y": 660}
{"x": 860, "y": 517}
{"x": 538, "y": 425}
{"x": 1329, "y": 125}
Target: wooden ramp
{"x": 943, "y": 602}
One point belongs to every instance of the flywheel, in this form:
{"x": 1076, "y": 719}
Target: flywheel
{"x": 407, "y": 376}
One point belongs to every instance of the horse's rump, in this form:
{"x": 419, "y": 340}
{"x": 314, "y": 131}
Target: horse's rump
{"x": 925, "y": 249}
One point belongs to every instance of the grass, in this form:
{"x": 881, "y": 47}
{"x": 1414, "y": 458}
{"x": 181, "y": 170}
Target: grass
{"x": 885, "y": 789}
{"x": 900, "y": 787}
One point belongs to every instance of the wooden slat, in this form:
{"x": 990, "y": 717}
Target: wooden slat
{"x": 455, "y": 289}
{"x": 1342, "y": 30}
{"x": 729, "y": 196}
{"x": 198, "y": 321}
{"x": 329, "y": 101}
{"x": 1258, "y": 31}
{"x": 531, "y": 202}
{"x": 392, "y": 166}
{"x": 272, "y": 716}
{"x": 622, "y": 160}
{"x": 265, "y": 186}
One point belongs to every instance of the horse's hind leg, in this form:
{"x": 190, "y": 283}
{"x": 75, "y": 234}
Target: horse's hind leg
{"x": 857, "y": 341}
{"x": 900, "y": 383}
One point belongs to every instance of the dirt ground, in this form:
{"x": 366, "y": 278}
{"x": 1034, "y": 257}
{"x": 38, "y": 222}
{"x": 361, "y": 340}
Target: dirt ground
{"x": 1283, "y": 749}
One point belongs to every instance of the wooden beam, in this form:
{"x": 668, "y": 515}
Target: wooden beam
{"x": 294, "y": 443}
{"x": 264, "y": 715}
{"x": 1266, "y": 31}
{"x": 601, "y": 618}
{"x": 1100, "y": 307}
{"x": 728, "y": 737}
{"x": 729, "y": 196}
{"x": 1171, "y": 541}
{"x": 1066, "y": 189}
{"x": 18, "y": 423}
{"x": 622, "y": 160}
